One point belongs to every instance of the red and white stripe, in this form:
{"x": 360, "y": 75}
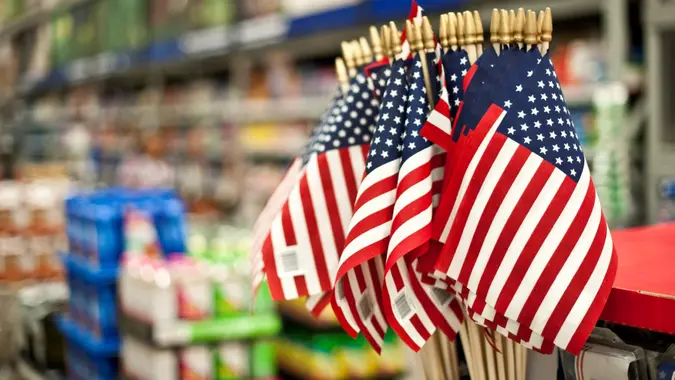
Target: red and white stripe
{"x": 313, "y": 223}
{"x": 368, "y": 237}
{"x": 552, "y": 274}
{"x": 262, "y": 225}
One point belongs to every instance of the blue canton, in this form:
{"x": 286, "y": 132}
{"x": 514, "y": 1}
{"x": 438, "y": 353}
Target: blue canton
{"x": 539, "y": 120}
{"x": 379, "y": 77}
{"x": 352, "y": 120}
{"x": 328, "y": 115}
{"x": 386, "y": 145}
{"x": 418, "y": 109}
{"x": 456, "y": 65}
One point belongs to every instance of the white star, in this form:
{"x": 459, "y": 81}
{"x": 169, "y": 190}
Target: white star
{"x": 336, "y": 143}
{"x": 547, "y": 109}
{"x": 556, "y": 147}
{"x": 350, "y": 99}
{"x": 567, "y": 146}
{"x": 348, "y": 123}
{"x": 369, "y": 112}
{"x": 453, "y": 77}
{"x": 548, "y": 72}
{"x": 376, "y": 141}
{"x": 416, "y": 74}
{"x": 418, "y": 64}
{"x": 413, "y": 86}
{"x": 563, "y": 134}
{"x": 530, "y": 73}
{"x": 397, "y": 81}
{"x": 549, "y": 122}
{"x": 535, "y": 111}
{"x": 394, "y": 93}
{"x": 519, "y": 88}
{"x": 552, "y": 134}
{"x": 462, "y": 61}
{"x": 463, "y": 72}
{"x": 554, "y": 96}
{"x": 507, "y": 104}
{"x": 357, "y": 131}
{"x": 399, "y": 147}
{"x": 557, "y": 109}
{"x": 544, "y": 97}
{"x": 401, "y": 109}
{"x": 370, "y": 165}
{"x": 363, "y": 121}
{"x": 380, "y": 128}
{"x": 540, "y": 137}
{"x": 397, "y": 120}
{"x": 537, "y": 124}
{"x": 411, "y": 146}
{"x": 573, "y": 172}
{"x": 385, "y": 154}
{"x": 382, "y": 83}
{"x": 342, "y": 133}
{"x": 569, "y": 159}
{"x": 373, "y": 152}
{"x": 390, "y": 105}
{"x": 457, "y": 102}
{"x": 359, "y": 104}
{"x": 385, "y": 116}
{"x": 420, "y": 111}
{"x": 392, "y": 131}
{"x": 531, "y": 98}
{"x": 550, "y": 83}
{"x": 569, "y": 122}
{"x": 512, "y": 130}
{"x": 387, "y": 72}
{"x": 365, "y": 95}
{"x": 414, "y": 134}
{"x": 560, "y": 121}
{"x": 578, "y": 159}
{"x": 417, "y": 122}
{"x": 540, "y": 84}
{"x": 524, "y": 127}
{"x": 543, "y": 150}
{"x": 455, "y": 90}
{"x": 521, "y": 114}
{"x": 558, "y": 161}
{"x": 527, "y": 140}
{"x": 388, "y": 142}
{"x": 574, "y": 146}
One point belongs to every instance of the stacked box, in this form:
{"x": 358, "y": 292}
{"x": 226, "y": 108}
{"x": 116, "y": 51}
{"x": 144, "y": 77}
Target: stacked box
{"x": 100, "y": 227}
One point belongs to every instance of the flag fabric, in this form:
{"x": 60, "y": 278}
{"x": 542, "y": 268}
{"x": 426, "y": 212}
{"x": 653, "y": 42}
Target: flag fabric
{"x": 527, "y": 233}
{"x": 302, "y": 249}
{"x": 361, "y": 269}
{"x": 416, "y": 13}
{"x": 378, "y": 74}
{"x": 414, "y": 310}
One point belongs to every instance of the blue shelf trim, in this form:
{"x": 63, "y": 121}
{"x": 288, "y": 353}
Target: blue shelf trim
{"x": 93, "y": 346}
{"x": 368, "y": 11}
{"x": 84, "y": 270}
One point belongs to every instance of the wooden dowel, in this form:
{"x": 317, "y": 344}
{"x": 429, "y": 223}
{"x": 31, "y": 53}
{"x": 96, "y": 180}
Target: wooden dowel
{"x": 470, "y": 39}
{"x": 478, "y": 24}
{"x": 494, "y": 30}
{"x": 546, "y": 31}
{"x": 501, "y": 365}
{"x": 509, "y": 353}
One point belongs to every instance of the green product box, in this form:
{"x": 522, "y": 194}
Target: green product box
{"x": 62, "y": 38}
{"x": 210, "y": 13}
{"x": 123, "y": 25}
{"x": 263, "y": 360}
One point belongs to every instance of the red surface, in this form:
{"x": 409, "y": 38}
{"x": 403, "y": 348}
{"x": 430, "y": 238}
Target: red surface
{"x": 643, "y": 294}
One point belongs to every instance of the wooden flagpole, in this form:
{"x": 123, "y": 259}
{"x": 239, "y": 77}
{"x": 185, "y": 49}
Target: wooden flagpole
{"x": 376, "y": 41}
{"x": 494, "y": 31}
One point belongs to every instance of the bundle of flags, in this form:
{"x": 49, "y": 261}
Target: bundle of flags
{"x": 445, "y": 183}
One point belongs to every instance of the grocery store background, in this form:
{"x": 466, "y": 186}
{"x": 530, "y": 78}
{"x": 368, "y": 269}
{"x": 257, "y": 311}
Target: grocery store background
{"x": 214, "y": 98}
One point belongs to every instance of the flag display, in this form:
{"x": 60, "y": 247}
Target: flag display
{"x": 445, "y": 185}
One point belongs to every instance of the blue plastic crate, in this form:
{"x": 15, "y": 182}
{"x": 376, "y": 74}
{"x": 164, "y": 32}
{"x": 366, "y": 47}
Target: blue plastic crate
{"x": 95, "y": 222}
{"x": 88, "y": 358}
{"x": 93, "y": 297}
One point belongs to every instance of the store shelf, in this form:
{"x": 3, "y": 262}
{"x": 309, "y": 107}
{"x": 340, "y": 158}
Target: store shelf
{"x": 35, "y": 18}
{"x": 303, "y": 36}
{"x": 177, "y": 333}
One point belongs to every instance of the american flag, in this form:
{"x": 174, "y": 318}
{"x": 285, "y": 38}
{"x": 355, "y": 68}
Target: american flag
{"x": 528, "y": 234}
{"x": 413, "y": 309}
{"x": 378, "y": 74}
{"x": 416, "y": 14}
{"x": 302, "y": 250}
{"x": 274, "y": 204}
{"x": 361, "y": 269}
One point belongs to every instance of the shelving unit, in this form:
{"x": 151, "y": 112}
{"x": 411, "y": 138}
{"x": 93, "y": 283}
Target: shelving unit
{"x": 660, "y": 139}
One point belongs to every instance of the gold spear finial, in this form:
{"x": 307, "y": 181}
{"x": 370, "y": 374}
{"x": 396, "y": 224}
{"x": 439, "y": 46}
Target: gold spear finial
{"x": 365, "y": 48}
{"x": 396, "y": 48}
{"x": 376, "y": 41}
